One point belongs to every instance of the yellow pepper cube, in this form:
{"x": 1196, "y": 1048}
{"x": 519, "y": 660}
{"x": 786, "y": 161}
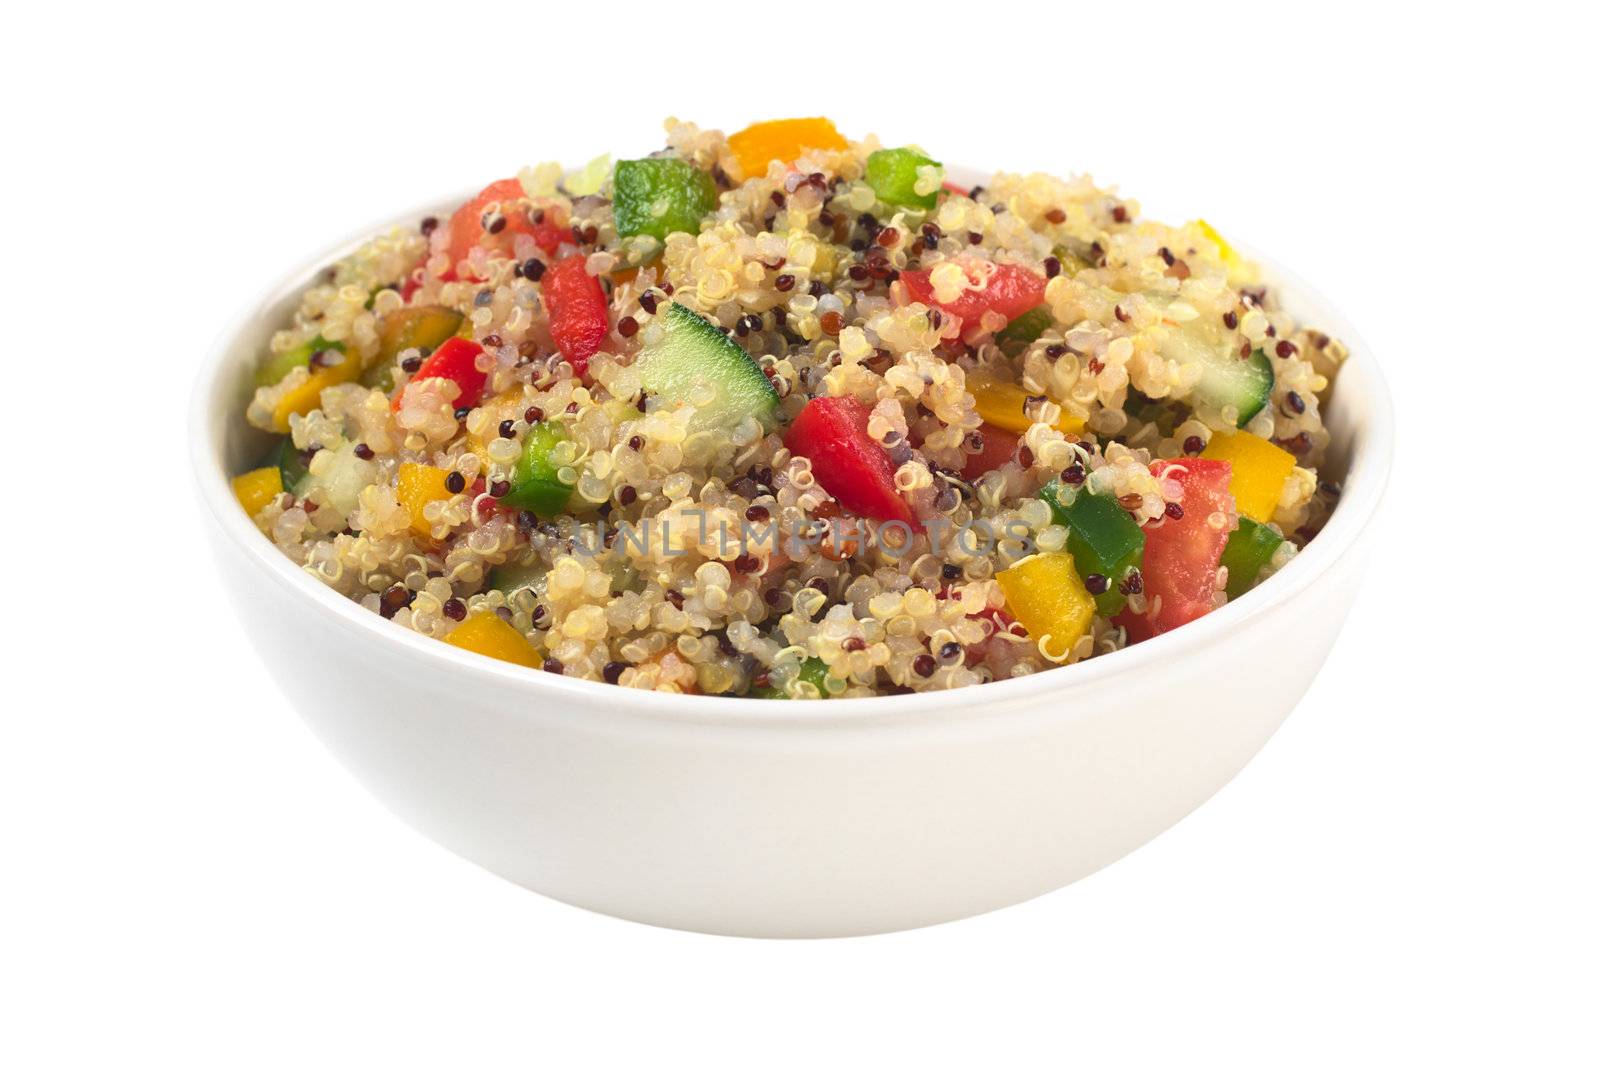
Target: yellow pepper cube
{"x": 1259, "y": 470}
{"x": 1045, "y": 594}
{"x": 784, "y": 140}
{"x": 256, "y": 489}
{"x": 1005, "y": 405}
{"x": 489, "y": 635}
{"x": 418, "y": 485}
{"x": 506, "y": 405}
{"x": 304, "y": 398}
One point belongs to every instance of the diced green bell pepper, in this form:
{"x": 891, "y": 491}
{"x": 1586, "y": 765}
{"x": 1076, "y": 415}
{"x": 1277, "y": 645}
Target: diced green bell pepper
{"x": 509, "y": 577}
{"x": 660, "y": 196}
{"x": 1247, "y": 551}
{"x": 277, "y": 368}
{"x": 535, "y": 486}
{"x": 892, "y": 173}
{"x": 1103, "y": 538}
{"x": 813, "y": 670}
{"x": 1025, "y": 329}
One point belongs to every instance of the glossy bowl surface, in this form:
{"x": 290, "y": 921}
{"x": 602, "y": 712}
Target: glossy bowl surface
{"x": 788, "y": 819}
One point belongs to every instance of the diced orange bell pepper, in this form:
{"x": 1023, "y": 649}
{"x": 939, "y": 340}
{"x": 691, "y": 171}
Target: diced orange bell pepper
{"x": 784, "y": 140}
{"x": 1259, "y": 470}
{"x": 418, "y": 485}
{"x": 256, "y": 489}
{"x": 489, "y": 635}
{"x": 305, "y": 397}
{"x": 1003, "y": 404}
{"x": 1045, "y": 594}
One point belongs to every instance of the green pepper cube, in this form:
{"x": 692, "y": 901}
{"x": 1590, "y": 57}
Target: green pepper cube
{"x": 1247, "y": 551}
{"x": 1025, "y": 329}
{"x": 813, "y": 670}
{"x": 1103, "y": 539}
{"x": 892, "y": 173}
{"x": 660, "y": 196}
{"x": 535, "y": 485}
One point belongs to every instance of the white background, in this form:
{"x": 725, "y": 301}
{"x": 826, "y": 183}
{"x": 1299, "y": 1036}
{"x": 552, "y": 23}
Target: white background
{"x": 1405, "y": 875}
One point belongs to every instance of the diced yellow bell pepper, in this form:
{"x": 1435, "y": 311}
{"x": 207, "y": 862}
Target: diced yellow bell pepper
{"x": 256, "y": 489}
{"x": 784, "y": 140}
{"x": 489, "y": 635}
{"x": 1225, "y": 251}
{"x": 1259, "y": 470}
{"x": 1045, "y": 594}
{"x": 418, "y": 485}
{"x": 507, "y": 405}
{"x": 1004, "y": 405}
{"x": 305, "y": 397}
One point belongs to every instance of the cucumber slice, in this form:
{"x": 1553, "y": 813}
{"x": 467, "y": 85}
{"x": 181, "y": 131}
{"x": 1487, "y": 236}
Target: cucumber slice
{"x": 693, "y": 352}
{"x": 1244, "y": 384}
{"x": 1228, "y": 381}
{"x": 277, "y": 367}
{"x": 291, "y": 467}
{"x": 510, "y": 577}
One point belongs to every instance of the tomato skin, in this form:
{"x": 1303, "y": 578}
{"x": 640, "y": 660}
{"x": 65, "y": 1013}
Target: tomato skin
{"x": 831, "y": 431}
{"x": 456, "y": 359}
{"x": 1181, "y": 555}
{"x": 1011, "y": 291}
{"x": 466, "y": 230}
{"x": 580, "y": 316}
{"x": 999, "y": 448}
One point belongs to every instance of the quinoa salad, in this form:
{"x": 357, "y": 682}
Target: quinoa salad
{"x": 785, "y": 415}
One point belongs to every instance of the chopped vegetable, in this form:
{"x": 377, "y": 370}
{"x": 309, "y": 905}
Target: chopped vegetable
{"x": 892, "y": 173}
{"x": 426, "y": 326}
{"x": 1225, "y": 251}
{"x": 831, "y": 431}
{"x": 1105, "y": 541}
{"x": 277, "y": 367}
{"x": 418, "y": 485}
{"x": 1045, "y": 594}
{"x": 1025, "y": 329}
{"x": 536, "y": 485}
{"x": 1006, "y": 289}
{"x": 258, "y": 488}
{"x": 691, "y": 357}
{"x": 490, "y": 221}
{"x": 1247, "y": 551}
{"x": 489, "y": 635}
{"x": 508, "y": 578}
{"x": 1229, "y": 380}
{"x": 783, "y": 141}
{"x": 1182, "y": 554}
{"x": 660, "y": 196}
{"x": 580, "y": 315}
{"x": 456, "y": 360}
{"x": 588, "y": 180}
{"x": 813, "y": 670}
{"x": 1260, "y": 469}
{"x": 335, "y": 368}
{"x": 1006, "y": 405}
{"x": 292, "y": 468}
{"x": 999, "y": 448}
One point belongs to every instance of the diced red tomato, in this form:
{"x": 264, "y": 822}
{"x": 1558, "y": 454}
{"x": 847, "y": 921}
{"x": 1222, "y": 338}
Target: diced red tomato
{"x": 456, "y": 359}
{"x": 1011, "y": 291}
{"x": 831, "y": 431}
{"x": 580, "y": 316}
{"x": 1181, "y": 555}
{"x": 467, "y": 232}
{"x": 999, "y": 448}
{"x": 953, "y": 188}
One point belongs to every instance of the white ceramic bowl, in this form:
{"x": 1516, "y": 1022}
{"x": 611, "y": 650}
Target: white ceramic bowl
{"x": 788, "y": 819}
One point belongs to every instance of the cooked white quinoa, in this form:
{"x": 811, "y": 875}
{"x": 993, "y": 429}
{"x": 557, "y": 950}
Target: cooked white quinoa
{"x": 801, "y": 266}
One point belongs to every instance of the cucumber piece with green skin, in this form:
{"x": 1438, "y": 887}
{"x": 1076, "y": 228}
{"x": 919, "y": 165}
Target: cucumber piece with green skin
{"x": 1247, "y": 551}
{"x": 277, "y": 368}
{"x": 892, "y": 173}
{"x": 692, "y": 351}
{"x": 510, "y": 577}
{"x": 1103, "y": 539}
{"x": 660, "y": 196}
{"x": 1245, "y": 384}
{"x": 1226, "y": 380}
{"x": 291, "y": 466}
{"x": 813, "y": 670}
{"x": 535, "y": 484}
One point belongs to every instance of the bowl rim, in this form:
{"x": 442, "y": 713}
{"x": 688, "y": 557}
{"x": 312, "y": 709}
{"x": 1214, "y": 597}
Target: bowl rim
{"x": 1364, "y": 485}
